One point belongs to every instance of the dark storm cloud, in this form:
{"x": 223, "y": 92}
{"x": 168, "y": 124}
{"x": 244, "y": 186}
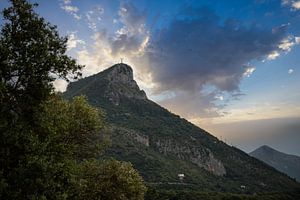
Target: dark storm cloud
{"x": 198, "y": 49}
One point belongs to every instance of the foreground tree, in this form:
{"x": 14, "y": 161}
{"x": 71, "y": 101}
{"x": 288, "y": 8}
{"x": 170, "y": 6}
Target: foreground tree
{"x": 45, "y": 141}
{"x": 109, "y": 180}
{"x": 31, "y": 54}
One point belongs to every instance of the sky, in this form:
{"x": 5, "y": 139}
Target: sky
{"x": 230, "y": 67}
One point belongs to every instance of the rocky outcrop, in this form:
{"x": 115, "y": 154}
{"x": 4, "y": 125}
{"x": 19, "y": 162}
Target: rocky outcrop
{"x": 122, "y": 84}
{"x": 200, "y": 156}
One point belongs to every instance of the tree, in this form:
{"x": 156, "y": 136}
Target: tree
{"x": 32, "y": 55}
{"x": 48, "y": 146}
{"x": 109, "y": 180}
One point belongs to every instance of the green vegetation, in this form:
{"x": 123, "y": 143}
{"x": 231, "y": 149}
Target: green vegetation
{"x": 154, "y": 194}
{"x": 49, "y": 147}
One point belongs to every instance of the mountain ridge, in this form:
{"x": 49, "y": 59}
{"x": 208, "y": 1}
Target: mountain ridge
{"x": 286, "y": 163}
{"x": 162, "y": 145}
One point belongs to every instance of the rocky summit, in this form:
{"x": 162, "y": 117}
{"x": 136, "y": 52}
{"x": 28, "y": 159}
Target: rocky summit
{"x": 162, "y": 145}
{"x": 121, "y": 83}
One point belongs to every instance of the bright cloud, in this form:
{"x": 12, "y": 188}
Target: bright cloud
{"x": 73, "y": 10}
{"x": 129, "y": 42}
{"x": 249, "y": 70}
{"x": 284, "y": 46}
{"x": 221, "y": 98}
{"x": 70, "y": 9}
{"x": 290, "y": 71}
{"x": 294, "y": 4}
{"x": 73, "y": 41}
{"x": 67, "y": 1}
{"x": 273, "y": 55}
{"x": 94, "y": 16}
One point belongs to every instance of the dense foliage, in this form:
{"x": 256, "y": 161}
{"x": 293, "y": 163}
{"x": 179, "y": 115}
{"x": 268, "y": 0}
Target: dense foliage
{"x": 49, "y": 146}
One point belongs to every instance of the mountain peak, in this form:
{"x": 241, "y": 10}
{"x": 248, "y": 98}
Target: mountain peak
{"x": 266, "y": 147}
{"x": 289, "y": 164}
{"x": 121, "y": 73}
{"x": 114, "y": 84}
{"x": 120, "y": 84}
{"x": 263, "y": 150}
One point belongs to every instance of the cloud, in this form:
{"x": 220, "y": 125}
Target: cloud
{"x": 221, "y": 98}
{"x": 294, "y": 4}
{"x": 133, "y": 37}
{"x": 249, "y": 70}
{"x": 73, "y": 10}
{"x": 70, "y": 9}
{"x": 129, "y": 42}
{"x": 194, "y": 105}
{"x": 197, "y": 49}
{"x": 287, "y": 43}
{"x": 290, "y": 71}
{"x": 273, "y": 55}
{"x": 94, "y": 16}
{"x": 178, "y": 62}
{"x": 73, "y": 41}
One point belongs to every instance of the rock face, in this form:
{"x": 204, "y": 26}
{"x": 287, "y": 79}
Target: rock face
{"x": 113, "y": 84}
{"x": 121, "y": 83}
{"x": 198, "y": 155}
{"x": 285, "y": 163}
{"x": 162, "y": 145}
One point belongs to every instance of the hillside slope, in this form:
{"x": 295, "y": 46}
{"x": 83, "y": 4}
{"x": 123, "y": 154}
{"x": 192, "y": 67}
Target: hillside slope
{"x": 288, "y": 164}
{"x": 162, "y": 145}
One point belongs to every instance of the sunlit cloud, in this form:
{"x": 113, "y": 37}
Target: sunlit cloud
{"x": 249, "y": 70}
{"x": 290, "y": 71}
{"x": 73, "y": 41}
{"x": 273, "y": 55}
{"x": 293, "y": 4}
{"x": 221, "y": 98}
{"x": 128, "y": 42}
{"x": 67, "y": 6}
{"x": 94, "y": 16}
{"x": 287, "y": 43}
{"x": 284, "y": 46}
